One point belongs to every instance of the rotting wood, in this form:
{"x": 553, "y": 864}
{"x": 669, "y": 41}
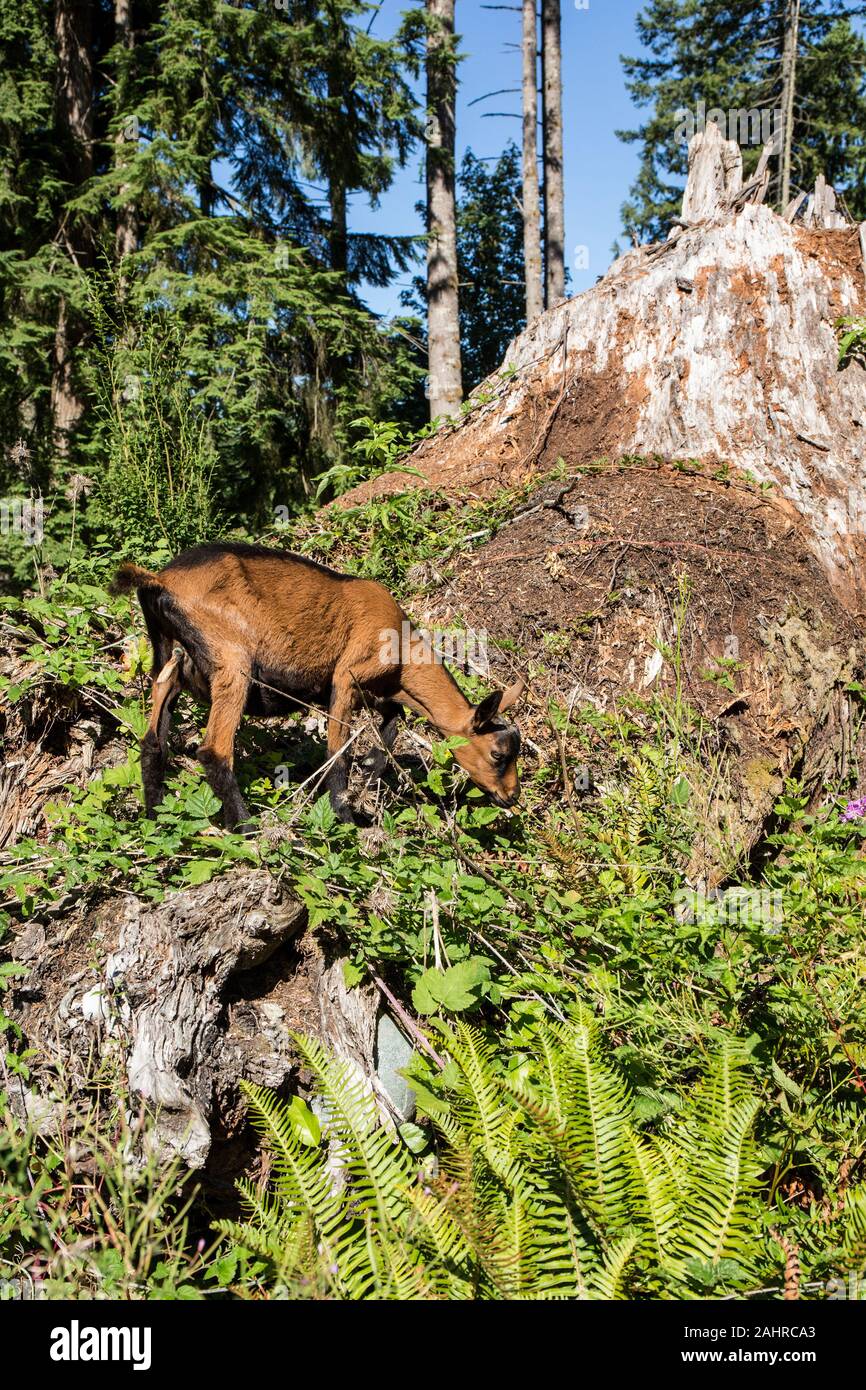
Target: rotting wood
{"x": 715, "y": 175}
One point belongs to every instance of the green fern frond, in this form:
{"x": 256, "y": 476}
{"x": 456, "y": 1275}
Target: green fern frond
{"x": 854, "y": 1229}
{"x": 722, "y": 1089}
{"x": 480, "y": 1104}
{"x": 675, "y": 1166}
{"x": 300, "y": 1180}
{"x": 287, "y": 1249}
{"x": 435, "y": 1232}
{"x": 565, "y": 1251}
{"x": 597, "y": 1121}
{"x": 610, "y": 1282}
{"x": 389, "y": 1270}
{"x": 654, "y": 1194}
{"x": 720, "y": 1213}
{"x": 545, "y": 1189}
{"x": 376, "y": 1166}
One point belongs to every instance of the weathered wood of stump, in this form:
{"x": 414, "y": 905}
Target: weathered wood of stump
{"x": 177, "y": 995}
{"x": 715, "y": 175}
{"x": 151, "y": 993}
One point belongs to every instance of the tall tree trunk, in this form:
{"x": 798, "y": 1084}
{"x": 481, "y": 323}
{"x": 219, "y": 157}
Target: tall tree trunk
{"x": 554, "y": 196}
{"x": 531, "y": 207}
{"x": 338, "y": 237}
{"x": 339, "y": 85}
{"x": 66, "y": 404}
{"x": 790, "y": 39}
{"x": 126, "y": 232}
{"x": 205, "y": 144}
{"x": 443, "y": 323}
{"x": 73, "y": 32}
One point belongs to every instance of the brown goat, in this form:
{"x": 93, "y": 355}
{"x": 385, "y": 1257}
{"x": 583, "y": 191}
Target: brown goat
{"x": 262, "y": 632}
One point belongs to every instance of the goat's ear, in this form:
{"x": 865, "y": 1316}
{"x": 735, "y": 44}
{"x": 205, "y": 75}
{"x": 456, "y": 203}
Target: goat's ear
{"x": 512, "y": 694}
{"x": 486, "y": 711}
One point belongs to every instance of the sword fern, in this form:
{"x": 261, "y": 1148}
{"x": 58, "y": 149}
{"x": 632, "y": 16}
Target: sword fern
{"x": 545, "y": 1186}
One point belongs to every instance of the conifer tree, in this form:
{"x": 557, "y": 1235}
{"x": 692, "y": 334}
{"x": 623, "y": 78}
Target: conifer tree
{"x": 363, "y": 123}
{"x": 32, "y": 274}
{"x": 489, "y": 232}
{"x": 490, "y": 262}
{"x": 745, "y": 57}
{"x": 185, "y": 142}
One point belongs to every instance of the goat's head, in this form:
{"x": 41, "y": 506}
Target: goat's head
{"x": 492, "y": 745}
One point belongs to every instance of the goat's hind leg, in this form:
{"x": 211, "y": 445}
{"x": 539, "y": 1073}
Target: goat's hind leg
{"x": 229, "y": 691}
{"x": 154, "y": 745}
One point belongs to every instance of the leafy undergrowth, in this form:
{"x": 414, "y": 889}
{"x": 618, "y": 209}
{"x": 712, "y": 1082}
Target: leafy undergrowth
{"x": 386, "y": 538}
{"x": 648, "y": 1090}
{"x": 78, "y": 1220}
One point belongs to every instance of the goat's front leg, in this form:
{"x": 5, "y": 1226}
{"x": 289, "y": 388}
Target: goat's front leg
{"x": 378, "y": 758}
{"x": 340, "y": 711}
{"x": 228, "y": 693}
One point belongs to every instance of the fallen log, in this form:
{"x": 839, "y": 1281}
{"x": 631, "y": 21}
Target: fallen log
{"x": 184, "y": 998}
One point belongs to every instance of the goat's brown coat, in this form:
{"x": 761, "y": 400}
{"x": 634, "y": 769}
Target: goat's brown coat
{"x": 265, "y": 632}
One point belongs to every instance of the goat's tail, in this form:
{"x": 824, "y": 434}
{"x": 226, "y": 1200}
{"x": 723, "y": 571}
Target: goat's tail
{"x": 131, "y": 576}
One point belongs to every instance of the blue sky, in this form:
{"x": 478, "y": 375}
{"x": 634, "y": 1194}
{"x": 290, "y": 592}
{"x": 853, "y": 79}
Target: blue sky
{"x": 599, "y": 168}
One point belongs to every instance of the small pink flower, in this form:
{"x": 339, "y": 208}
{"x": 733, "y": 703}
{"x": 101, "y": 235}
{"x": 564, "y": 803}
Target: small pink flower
{"x": 855, "y": 809}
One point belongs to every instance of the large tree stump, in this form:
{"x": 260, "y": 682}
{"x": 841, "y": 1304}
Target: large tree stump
{"x": 720, "y": 345}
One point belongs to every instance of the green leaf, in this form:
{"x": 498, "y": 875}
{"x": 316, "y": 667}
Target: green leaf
{"x": 352, "y": 974}
{"x": 304, "y": 1122}
{"x": 202, "y": 804}
{"x": 454, "y": 989}
{"x": 224, "y": 1269}
{"x": 423, "y": 998}
{"x": 414, "y": 1137}
{"x": 681, "y": 792}
{"x": 199, "y": 871}
{"x": 785, "y": 1081}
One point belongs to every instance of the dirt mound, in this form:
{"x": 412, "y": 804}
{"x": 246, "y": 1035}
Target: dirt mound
{"x": 641, "y": 579}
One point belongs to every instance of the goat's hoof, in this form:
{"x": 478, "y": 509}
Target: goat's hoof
{"x": 237, "y": 818}
{"x": 343, "y": 811}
